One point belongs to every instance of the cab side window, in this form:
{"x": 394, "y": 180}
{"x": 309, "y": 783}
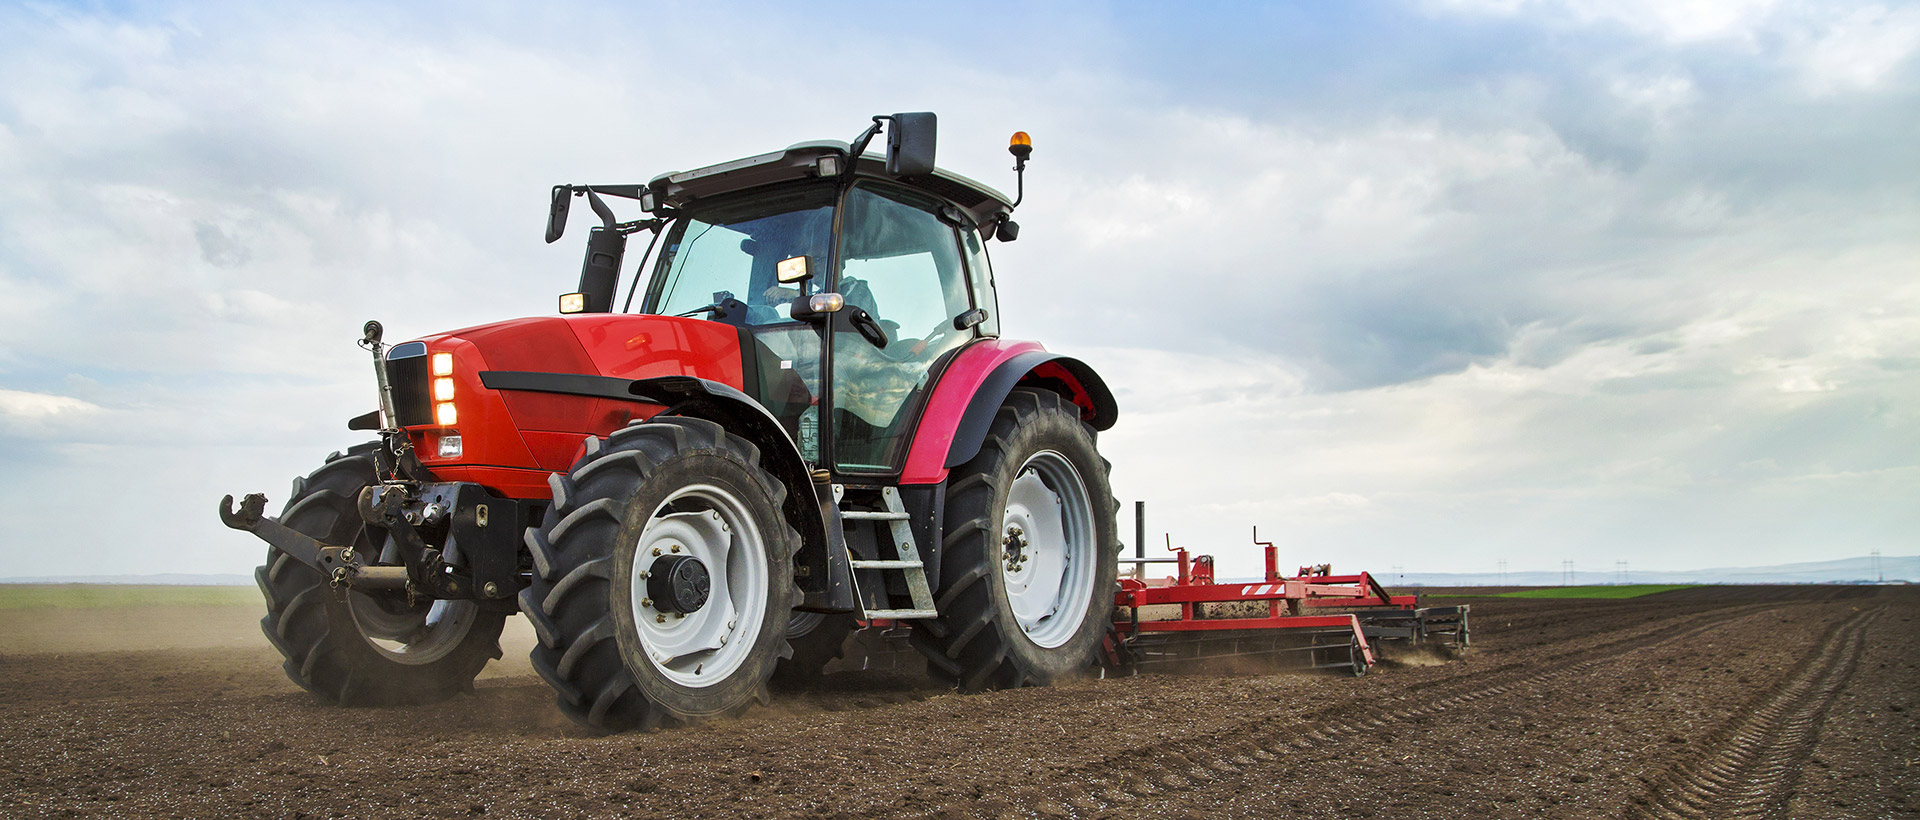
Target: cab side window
{"x": 981, "y": 272}
{"x": 901, "y": 263}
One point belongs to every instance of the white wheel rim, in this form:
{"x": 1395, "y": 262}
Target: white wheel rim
{"x": 702, "y": 648}
{"x": 803, "y": 623}
{"x": 1047, "y": 549}
{"x": 412, "y": 638}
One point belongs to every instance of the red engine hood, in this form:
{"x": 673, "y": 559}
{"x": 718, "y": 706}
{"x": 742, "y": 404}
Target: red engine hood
{"x": 511, "y": 439}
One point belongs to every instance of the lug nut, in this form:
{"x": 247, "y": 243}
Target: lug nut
{"x": 492, "y": 590}
{"x": 659, "y": 619}
{"x": 646, "y": 602}
{"x": 676, "y": 548}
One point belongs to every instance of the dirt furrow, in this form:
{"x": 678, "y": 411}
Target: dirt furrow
{"x": 1562, "y": 709}
{"x": 1169, "y": 767}
{"x": 1749, "y": 771}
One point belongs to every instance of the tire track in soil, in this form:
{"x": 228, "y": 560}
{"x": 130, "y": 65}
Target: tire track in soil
{"x": 1752, "y": 765}
{"x": 1189, "y": 763}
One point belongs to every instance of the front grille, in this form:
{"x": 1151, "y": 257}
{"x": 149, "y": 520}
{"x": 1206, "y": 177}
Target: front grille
{"x": 407, "y": 375}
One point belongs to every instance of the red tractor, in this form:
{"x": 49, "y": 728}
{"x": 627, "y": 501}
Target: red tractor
{"x": 808, "y": 420}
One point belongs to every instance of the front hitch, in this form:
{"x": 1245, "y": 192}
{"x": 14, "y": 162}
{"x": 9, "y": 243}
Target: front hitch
{"x": 384, "y": 506}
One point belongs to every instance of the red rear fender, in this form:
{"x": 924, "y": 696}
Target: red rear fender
{"x": 971, "y": 390}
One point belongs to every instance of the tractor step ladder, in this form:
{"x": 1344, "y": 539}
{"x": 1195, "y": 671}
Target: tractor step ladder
{"x": 908, "y": 564}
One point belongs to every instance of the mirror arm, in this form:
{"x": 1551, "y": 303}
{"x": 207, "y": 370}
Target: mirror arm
{"x": 859, "y": 145}
{"x": 600, "y": 209}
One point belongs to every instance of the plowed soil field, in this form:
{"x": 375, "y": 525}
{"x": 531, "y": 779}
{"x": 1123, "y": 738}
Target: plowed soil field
{"x": 1711, "y": 702}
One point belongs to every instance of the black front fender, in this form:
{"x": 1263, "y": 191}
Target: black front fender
{"x": 826, "y": 577}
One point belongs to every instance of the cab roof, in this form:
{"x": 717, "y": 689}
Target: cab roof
{"x": 821, "y": 159}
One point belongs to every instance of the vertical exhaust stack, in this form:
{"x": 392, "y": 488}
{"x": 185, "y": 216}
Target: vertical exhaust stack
{"x": 1139, "y": 529}
{"x": 606, "y": 246}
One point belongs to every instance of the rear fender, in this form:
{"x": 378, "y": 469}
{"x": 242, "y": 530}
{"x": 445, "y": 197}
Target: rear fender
{"x": 822, "y": 568}
{"x": 974, "y": 387}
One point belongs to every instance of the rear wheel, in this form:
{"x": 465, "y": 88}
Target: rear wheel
{"x": 1027, "y": 572}
{"x": 663, "y": 578}
{"x": 356, "y": 649}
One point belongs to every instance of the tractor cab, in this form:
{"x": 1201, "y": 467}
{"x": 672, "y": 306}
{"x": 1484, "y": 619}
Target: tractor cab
{"x": 851, "y": 279}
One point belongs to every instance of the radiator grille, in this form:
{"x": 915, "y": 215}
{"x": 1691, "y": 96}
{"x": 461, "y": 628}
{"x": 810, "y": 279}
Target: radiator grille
{"x": 407, "y": 375}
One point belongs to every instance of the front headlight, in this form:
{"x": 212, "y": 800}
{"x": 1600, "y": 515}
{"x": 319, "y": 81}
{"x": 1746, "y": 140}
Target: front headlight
{"x": 444, "y": 413}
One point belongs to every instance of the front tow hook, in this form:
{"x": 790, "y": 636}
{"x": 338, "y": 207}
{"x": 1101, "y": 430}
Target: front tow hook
{"x": 338, "y": 564}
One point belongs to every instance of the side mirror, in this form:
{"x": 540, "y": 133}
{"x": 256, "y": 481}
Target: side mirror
{"x": 910, "y": 143}
{"x": 557, "y": 212}
{"x": 1008, "y": 231}
{"x": 792, "y": 270}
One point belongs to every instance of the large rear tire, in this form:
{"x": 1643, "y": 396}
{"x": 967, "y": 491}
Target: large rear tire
{"x": 1027, "y": 569}
{"x": 639, "y": 510}
{"x": 352, "y": 648}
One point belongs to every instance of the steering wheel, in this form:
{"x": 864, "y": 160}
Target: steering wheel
{"x": 905, "y": 350}
{"x": 935, "y": 337}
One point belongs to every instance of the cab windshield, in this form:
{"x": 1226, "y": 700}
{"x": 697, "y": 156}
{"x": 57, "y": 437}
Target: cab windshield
{"x": 728, "y": 251}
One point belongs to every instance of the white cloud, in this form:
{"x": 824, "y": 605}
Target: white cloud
{"x": 1857, "y": 50}
{"x": 1673, "y": 20}
{"x": 22, "y": 405}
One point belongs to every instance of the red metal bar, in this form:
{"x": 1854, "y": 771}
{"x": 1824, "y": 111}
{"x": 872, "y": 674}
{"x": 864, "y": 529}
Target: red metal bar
{"x": 1284, "y": 590}
{"x": 1401, "y": 601}
{"x": 1273, "y": 568}
{"x": 1282, "y": 622}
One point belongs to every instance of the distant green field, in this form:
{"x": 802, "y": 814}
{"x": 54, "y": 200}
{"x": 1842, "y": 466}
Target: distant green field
{"x": 1621, "y": 591}
{"x": 108, "y": 596}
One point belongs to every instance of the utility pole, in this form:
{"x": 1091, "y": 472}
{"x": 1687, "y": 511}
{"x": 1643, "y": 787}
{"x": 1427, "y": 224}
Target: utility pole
{"x": 1566, "y": 573}
{"x": 1879, "y": 575}
{"x": 1503, "y": 573}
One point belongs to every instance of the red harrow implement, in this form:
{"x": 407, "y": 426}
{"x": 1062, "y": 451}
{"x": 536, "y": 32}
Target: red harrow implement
{"x": 1193, "y": 621}
{"x": 1192, "y": 617}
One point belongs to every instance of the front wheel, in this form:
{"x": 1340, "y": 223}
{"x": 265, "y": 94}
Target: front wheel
{"x": 353, "y": 648}
{"x": 1027, "y": 577}
{"x": 663, "y": 578}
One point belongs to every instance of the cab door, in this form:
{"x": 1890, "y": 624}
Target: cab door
{"x": 900, "y": 261}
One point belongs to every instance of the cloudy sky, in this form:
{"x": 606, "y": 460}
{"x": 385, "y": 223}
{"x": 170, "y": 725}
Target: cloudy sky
{"x": 1432, "y": 285}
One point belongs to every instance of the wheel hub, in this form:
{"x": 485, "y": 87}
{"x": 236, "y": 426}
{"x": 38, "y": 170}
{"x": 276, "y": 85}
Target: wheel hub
{"x": 679, "y": 584}
{"x": 699, "y": 586}
{"x": 1016, "y": 548}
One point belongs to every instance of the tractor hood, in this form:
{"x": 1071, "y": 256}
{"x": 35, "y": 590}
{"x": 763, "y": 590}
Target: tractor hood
{"x": 522, "y": 394}
{"x": 623, "y": 346}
